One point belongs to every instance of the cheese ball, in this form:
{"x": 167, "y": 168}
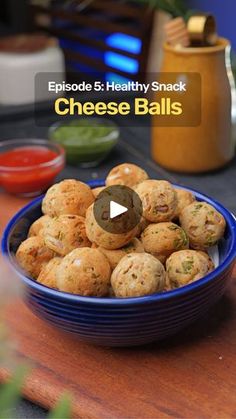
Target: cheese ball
{"x": 184, "y": 198}
{"x": 203, "y": 224}
{"x": 67, "y": 197}
{"x": 186, "y": 266}
{"x": 66, "y": 233}
{"x": 158, "y": 199}
{"x": 85, "y": 272}
{"x": 102, "y": 238}
{"x": 97, "y": 191}
{"x": 137, "y": 275}
{"x": 126, "y": 174}
{"x": 114, "y": 256}
{"x": 33, "y": 254}
{"x": 37, "y": 227}
{"x": 162, "y": 239}
{"x": 47, "y": 275}
{"x": 208, "y": 259}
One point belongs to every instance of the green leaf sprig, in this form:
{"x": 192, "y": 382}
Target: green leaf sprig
{"x": 175, "y": 8}
{"x": 10, "y": 392}
{"x": 62, "y": 409}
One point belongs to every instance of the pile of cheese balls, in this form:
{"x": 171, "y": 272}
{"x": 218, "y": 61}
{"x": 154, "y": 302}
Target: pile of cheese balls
{"x": 66, "y": 249}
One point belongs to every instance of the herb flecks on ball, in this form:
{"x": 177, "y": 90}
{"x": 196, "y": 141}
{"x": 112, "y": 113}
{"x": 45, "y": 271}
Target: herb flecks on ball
{"x": 162, "y": 239}
{"x": 65, "y": 233}
{"x": 85, "y": 272}
{"x": 67, "y": 197}
{"x": 137, "y": 275}
{"x": 158, "y": 200}
{"x": 33, "y": 254}
{"x": 186, "y": 266}
{"x": 203, "y": 224}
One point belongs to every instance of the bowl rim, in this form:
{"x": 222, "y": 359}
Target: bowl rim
{"x": 104, "y": 301}
{"x": 27, "y": 142}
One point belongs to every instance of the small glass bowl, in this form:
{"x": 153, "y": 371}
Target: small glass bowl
{"x": 31, "y": 180}
{"x": 82, "y": 148}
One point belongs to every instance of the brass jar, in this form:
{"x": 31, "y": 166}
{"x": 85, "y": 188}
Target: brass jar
{"x": 210, "y": 145}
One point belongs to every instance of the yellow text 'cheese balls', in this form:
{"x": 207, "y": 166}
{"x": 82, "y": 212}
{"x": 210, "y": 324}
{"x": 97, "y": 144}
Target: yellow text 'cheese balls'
{"x": 33, "y": 254}
{"x": 186, "y": 266}
{"x": 66, "y": 233}
{"x": 85, "y": 272}
{"x": 47, "y": 275}
{"x": 67, "y": 197}
{"x": 37, "y": 227}
{"x": 126, "y": 174}
{"x": 203, "y": 224}
{"x": 103, "y": 238}
{"x": 162, "y": 239}
{"x": 184, "y": 198}
{"x": 158, "y": 199}
{"x": 137, "y": 275}
{"x": 114, "y": 256}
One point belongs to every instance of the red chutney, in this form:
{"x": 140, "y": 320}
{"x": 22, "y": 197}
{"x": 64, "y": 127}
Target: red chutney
{"x": 21, "y": 173}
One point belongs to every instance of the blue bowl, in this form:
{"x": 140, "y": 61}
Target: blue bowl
{"x": 122, "y": 322}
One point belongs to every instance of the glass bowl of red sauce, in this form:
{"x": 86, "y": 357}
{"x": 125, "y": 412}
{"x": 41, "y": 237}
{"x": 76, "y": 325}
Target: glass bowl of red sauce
{"x": 29, "y": 166}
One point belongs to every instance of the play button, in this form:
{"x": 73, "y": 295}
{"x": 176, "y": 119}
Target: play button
{"x": 118, "y": 209}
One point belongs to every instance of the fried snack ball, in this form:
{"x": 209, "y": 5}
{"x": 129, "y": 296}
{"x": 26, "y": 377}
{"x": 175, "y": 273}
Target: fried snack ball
{"x": 37, "y": 227}
{"x": 103, "y": 238}
{"x": 97, "y": 191}
{"x": 138, "y": 274}
{"x": 67, "y": 197}
{"x": 84, "y": 271}
{"x": 47, "y": 275}
{"x": 162, "y": 239}
{"x": 186, "y": 266}
{"x": 114, "y": 256}
{"x": 66, "y": 233}
{"x": 33, "y": 254}
{"x": 203, "y": 225}
{"x": 184, "y": 198}
{"x": 210, "y": 262}
{"x": 126, "y": 174}
{"x": 158, "y": 199}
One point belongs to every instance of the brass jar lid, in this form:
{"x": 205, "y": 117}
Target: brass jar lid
{"x": 202, "y": 30}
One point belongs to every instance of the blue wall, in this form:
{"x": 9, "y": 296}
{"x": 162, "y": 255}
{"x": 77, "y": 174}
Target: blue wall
{"x": 225, "y": 13}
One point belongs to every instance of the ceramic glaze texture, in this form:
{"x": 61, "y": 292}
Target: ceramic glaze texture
{"x": 129, "y": 321}
{"x": 18, "y": 72}
{"x": 208, "y": 146}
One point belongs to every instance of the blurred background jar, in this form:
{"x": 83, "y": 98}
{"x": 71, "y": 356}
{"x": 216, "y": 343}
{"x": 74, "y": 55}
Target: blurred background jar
{"x": 22, "y": 57}
{"x": 210, "y": 145}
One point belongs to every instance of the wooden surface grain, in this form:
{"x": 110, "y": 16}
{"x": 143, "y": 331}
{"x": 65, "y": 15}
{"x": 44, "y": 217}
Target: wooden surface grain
{"x": 192, "y": 375}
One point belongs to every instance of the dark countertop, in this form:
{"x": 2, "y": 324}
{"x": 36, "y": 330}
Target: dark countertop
{"x": 134, "y": 147}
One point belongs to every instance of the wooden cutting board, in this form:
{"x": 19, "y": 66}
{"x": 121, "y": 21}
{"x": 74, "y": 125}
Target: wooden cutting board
{"x": 191, "y": 376}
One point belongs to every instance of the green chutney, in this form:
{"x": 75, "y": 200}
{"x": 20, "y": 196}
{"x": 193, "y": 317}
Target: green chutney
{"x": 87, "y": 141}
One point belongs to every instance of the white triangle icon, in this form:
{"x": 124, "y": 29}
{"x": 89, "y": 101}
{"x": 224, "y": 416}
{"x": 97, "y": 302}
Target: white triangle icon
{"x": 116, "y": 209}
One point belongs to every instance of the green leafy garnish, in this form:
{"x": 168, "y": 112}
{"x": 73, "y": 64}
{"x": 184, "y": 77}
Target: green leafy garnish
{"x": 174, "y": 7}
{"x": 187, "y": 266}
{"x": 63, "y": 409}
{"x": 10, "y": 392}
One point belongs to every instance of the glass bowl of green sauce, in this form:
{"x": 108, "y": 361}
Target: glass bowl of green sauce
{"x": 87, "y": 141}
